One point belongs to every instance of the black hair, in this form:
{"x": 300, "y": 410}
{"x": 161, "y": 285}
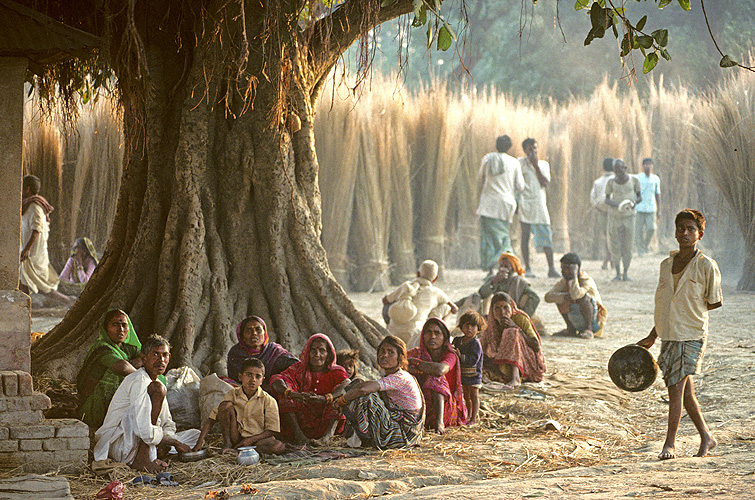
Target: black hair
{"x": 647, "y": 160}
{"x": 472, "y": 318}
{"x": 32, "y": 183}
{"x": 154, "y": 341}
{"x": 397, "y": 344}
{"x": 608, "y": 164}
{"x": 247, "y": 363}
{"x": 571, "y": 258}
{"x": 503, "y": 143}
{"x": 529, "y": 141}
{"x": 693, "y": 215}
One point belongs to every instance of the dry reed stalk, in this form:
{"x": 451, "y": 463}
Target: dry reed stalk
{"x": 368, "y": 241}
{"x": 92, "y": 171}
{"x": 434, "y": 167}
{"x": 337, "y": 139}
{"x": 725, "y": 146}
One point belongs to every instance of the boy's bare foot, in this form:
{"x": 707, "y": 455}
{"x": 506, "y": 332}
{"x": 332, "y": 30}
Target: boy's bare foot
{"x": 441, "y": 429}
{"x": 149, "y": 466}
{"x": 587, "y": 334}
{"x": 667, "y": 453}
{"x": 706, "y": 445}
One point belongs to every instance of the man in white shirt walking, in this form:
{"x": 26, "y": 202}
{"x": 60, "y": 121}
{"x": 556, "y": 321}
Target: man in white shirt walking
{"x": 598, "y": 201}
{"x": 649, "y": 209}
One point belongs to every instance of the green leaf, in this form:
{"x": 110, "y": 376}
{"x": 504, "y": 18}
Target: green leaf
{"x": 645, "y": 41}
{"x": 615, "y": 31}
{"x": 581, "y": 4}
{"x": 663, "y": 3}
{"x": 661, "y": 36}
{"x": 429, "y": 35}
{"x": 641, "y": 23}
{"x": 665, "y": 55}
{"x": 597, "y": 16}
{"x": 422, "y": 19}
{"x": 684, "y": 4}
{"x": 727, "y": 62}
{"x": 444, "y": 38}
{"x": 590, "y": 37}
{"x": 650, "y": 61}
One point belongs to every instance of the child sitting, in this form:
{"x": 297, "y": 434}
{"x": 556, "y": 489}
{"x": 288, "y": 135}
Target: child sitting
{"x": 471, "y": 323}
{"x": 349, "y": 360}
{"x": 247, "y": 415}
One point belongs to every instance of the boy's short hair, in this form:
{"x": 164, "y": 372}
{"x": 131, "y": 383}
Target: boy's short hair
{"x": 472, "y": 318}
{"x": 647, "y": 160}
{"x": 608, "y": 164}
{"x": 154, "y": 341}
{"x": 571, "y": 258}
{"x": 251, "y": 363}
{"x": 503, "y": 143}
{"x": 693, "y": 215}
{"x": 32, "y": 183}
{"x": 346, "y": 355}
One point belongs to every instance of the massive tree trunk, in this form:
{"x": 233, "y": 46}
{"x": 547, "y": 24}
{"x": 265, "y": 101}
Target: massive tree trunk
{"x": 218, "y": 215}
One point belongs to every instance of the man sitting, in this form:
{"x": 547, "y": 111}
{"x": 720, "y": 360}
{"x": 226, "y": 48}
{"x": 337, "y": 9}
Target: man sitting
{"x": 578, "y": 300}
{"x": 248, "y": 415}
{"x": 138, "y": 429}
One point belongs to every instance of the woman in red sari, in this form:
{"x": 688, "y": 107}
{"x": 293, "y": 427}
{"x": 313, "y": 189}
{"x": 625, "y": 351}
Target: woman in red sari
{"x": 511, "y": 344}
{"x": 437, "y": 368}
{"x": 306, "y": 390}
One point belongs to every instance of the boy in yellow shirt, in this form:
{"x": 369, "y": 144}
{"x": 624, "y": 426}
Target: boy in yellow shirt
{"x": 248, "y": 416}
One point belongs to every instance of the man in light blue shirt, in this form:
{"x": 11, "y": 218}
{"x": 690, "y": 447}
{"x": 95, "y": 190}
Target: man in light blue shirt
{"x": 648, "y": 210}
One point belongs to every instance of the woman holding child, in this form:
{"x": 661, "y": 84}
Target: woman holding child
{"x": 437, "y": 368}
{"x": 388, "y": 412}
{"x": 254, "y": 342}
{"x": 511, "y": 343}
{"x": 306, "y": 390}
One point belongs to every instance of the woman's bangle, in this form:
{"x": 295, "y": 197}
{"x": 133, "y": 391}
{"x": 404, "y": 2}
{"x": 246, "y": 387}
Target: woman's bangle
{"x": 286, "y": 392}
{"x": 328, "y": 398}
{"x": 341, "y": 401}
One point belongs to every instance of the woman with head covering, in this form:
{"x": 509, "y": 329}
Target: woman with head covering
{"x": 388, "y": 412}
{"x": 437, "y": 368}
{"x": 82, "y": 262}
{"x": 254, "y": 342}
{"x": 511, "y": 344}
{"x": 305, "y": 393}
{"x": 113, "y": 355}
{"x": 510, "y": 279}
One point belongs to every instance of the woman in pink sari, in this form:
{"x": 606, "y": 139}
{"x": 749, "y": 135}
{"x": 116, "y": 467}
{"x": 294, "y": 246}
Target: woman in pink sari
{"x": 511, "y": 344}
{"x": 437, "y": 368}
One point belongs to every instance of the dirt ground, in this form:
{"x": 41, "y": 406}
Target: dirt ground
{"x": 608, "y": 445}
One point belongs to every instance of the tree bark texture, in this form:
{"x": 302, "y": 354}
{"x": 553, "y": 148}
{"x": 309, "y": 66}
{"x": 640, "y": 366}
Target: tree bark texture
{"x": 218, "y": 215}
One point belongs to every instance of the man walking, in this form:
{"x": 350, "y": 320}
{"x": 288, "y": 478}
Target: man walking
{"x": 598, "y": 201}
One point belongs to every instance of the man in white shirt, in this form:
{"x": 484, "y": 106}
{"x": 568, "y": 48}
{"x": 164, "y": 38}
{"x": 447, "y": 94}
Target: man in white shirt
{"x": 533, "y": 209}
{"x": 689, "y": 285}
{"x": 138, "y": 428}
{"x": 649, "y": 209}
{"x": 598, "y": 201}
{"x": 500, "y": 179}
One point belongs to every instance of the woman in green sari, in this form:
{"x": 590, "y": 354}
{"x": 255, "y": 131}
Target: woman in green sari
{"x": 114, "y": 355}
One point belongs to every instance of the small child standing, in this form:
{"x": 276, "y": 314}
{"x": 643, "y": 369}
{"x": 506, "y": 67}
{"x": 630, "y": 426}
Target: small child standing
{"x": 349, "y": 360}
{"x": 248, "y": 415}
{"x": 689, "y": 285}
{"x": 471, "y": 323}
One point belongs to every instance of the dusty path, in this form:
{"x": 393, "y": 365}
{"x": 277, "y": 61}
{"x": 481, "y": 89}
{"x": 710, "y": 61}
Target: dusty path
{"x": 609, "y": 443}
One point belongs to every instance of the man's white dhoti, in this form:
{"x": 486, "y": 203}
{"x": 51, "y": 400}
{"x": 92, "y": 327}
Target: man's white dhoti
{"x": 128, "y": 421}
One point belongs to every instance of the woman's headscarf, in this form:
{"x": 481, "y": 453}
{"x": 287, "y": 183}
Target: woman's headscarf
{"x": 513, "y": 260}
{"x": 104, "y": 338}
{"x": 301, "y": 376}
{"x": 424, "y": 353}
{"x": 89, "y": 246}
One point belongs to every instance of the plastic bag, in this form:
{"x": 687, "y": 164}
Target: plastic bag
{"x": 183, "y": 397}
{"x": 211, "y": 393}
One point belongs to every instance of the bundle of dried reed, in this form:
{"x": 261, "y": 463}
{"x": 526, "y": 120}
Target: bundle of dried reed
{"x": 725, "y": 146}
{"x": 337, "y": 139}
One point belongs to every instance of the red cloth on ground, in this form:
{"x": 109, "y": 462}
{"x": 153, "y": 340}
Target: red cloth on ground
{"x": 314, "y": 419}
{"x": 449, "y": 385}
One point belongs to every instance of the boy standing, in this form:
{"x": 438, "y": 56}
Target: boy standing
{"x": 689, "y": 286}
{"x": 470, "y": 356}
{"x": 248, "y": 415}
